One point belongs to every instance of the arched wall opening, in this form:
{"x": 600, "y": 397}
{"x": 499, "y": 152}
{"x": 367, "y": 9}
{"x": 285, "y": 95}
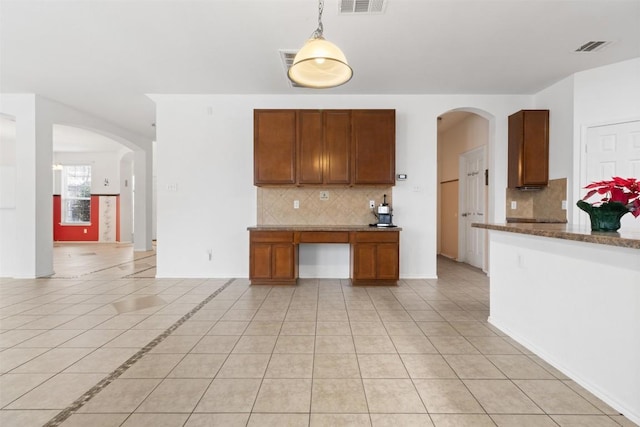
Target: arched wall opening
{"x": 27, "y": 227}
{"x": 465, "y": 138}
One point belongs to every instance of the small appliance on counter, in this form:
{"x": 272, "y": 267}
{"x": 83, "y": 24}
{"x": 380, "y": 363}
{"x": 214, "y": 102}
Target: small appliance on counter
{"x": 383, "y": 215}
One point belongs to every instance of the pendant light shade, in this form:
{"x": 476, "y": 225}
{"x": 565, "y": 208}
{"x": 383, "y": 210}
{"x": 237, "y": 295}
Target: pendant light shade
{"x": 320, "y": 64}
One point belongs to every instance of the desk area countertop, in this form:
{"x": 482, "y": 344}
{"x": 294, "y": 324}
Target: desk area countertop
{"x": 321, "y": 228}
{"x": 623, "y": 238}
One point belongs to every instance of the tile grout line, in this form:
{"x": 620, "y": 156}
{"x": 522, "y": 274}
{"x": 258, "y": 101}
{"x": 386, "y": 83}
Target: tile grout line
{"x": 93, "y": 391}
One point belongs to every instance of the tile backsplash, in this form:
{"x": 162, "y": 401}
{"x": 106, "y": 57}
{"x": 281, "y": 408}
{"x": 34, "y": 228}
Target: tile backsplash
{"x": 343, "y": 206}
{"x": 544, "y": 204}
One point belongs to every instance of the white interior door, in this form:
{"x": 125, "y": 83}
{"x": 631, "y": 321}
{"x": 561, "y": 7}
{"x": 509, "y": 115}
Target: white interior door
{"x": 472, "y": 206}
{"x": 613, "y": 150}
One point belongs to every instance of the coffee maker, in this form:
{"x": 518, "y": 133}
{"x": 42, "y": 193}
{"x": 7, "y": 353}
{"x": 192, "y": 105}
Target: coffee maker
{"x": 383, "y": 214}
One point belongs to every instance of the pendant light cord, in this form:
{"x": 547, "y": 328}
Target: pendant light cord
{"x": 317, "y": 34}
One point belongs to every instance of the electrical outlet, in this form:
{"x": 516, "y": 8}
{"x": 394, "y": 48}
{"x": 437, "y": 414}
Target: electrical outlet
{"x": 514, "y": 205}
{"x": 564, "y": 205}
{"x": 372, "y": 204}
{"x": 324, "y": 195}
{"x": 296, "y": 204}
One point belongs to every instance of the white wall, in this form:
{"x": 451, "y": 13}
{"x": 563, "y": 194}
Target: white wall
{"x": 603, "y": 95}
{"x": 205, "y": 152}
{"x": 607, "y": 94}
{"x": 126, "y": 198}
{"x": 558, "y": 99}
{"x": 26, "y": 228}
{"x": 104, "y": 165}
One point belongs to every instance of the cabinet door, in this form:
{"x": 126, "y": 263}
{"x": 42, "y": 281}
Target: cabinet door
{"x": 260, "y": 261}
{"x": 337, "y": 147}
{"x": 364, "y": 261}
{"x": 536, "y": 148}
{"x": 310, "y": 147}
{"x": 387, "y": 259}
{"x": 283, "y": 261}
{"x": 528, "y": 158}
{"x": 374, "y": 147}
{"x": 274, "y": 148}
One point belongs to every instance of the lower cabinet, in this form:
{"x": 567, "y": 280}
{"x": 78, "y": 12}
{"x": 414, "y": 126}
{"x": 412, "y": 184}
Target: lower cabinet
{"x": 375, "y": 257}
{"x": 273, "y": 257}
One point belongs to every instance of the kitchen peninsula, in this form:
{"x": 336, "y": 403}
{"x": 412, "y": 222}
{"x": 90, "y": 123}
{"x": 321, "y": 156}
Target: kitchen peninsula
{"x": 374, "y": 252}
{"x": 573, "y": 298}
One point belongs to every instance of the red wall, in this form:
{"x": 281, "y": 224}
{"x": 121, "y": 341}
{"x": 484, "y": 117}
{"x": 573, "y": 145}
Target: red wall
{"x": 75, "y": 233}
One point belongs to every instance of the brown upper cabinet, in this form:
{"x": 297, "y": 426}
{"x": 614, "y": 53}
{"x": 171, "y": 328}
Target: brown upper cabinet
{"x": 374, "y": 146}
{"x": 274, "y": 147}
{"x": 324, "y": 147}
{"x": 528, "y": 160}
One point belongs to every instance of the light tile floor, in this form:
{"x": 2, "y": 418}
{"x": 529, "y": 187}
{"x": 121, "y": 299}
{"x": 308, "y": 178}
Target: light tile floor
{"x": 322, "y": 353}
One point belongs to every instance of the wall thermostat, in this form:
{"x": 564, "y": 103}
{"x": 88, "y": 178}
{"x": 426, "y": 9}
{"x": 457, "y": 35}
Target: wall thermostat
{"x": 402, "y": 176}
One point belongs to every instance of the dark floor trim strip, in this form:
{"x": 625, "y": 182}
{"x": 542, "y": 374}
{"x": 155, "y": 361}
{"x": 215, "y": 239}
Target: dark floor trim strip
{"x": 101, "y": 269}
{"x": 87, "y": 396}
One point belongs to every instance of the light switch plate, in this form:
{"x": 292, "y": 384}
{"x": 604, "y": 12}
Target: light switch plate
{"x": 296, "y": 204}
{"x": 514, "y": 205}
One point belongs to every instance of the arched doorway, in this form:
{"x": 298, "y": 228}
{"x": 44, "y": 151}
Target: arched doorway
{"x": 93, "y": 211}
{"x": 463, "y": 142}
{"x": 100, "y": 157}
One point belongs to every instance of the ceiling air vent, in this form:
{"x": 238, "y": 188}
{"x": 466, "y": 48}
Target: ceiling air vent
{"x": 593, "y": 46}
{"x": 362, "y": 6}
{"x": 287, "y": 57}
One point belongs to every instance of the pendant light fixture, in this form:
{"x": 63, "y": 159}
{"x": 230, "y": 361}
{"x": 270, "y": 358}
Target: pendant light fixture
{"x": 320, "y": 64}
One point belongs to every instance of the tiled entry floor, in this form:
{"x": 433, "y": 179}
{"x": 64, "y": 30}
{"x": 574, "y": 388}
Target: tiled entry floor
{"x": 321, "y": 353}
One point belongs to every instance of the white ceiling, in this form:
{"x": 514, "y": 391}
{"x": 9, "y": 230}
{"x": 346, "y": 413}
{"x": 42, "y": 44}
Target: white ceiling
{"x": 103, "y": 56}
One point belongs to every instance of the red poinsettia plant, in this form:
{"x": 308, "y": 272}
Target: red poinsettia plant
{"x": 622, "y": 190}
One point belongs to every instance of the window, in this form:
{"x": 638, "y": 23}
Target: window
{"x": 76, "y": 194}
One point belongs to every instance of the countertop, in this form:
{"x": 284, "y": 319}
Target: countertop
{"x": 321, "y": 228}
{"x": 622, "y": 238}
{"x": 535, "y": 221}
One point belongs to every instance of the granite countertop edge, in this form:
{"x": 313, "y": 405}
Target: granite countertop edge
{"x": 321, "y": 228}
{"x": 625, "y": 239}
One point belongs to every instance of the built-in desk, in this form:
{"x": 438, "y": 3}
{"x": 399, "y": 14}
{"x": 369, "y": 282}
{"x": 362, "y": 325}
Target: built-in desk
{"x": 374, "y": 252}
